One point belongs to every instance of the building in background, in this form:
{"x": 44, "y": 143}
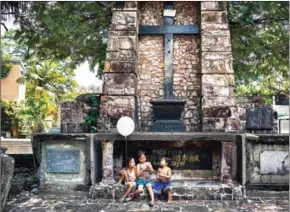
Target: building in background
{"x": 11, "y": 90}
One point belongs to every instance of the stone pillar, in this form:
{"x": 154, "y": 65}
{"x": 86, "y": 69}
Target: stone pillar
{"x": 119, "y": 88}
{"x": 6, "y": 174}
{"x": 108, "y": 162}
{"x": 218, "y": 100}
{"x": 229, "y": 162}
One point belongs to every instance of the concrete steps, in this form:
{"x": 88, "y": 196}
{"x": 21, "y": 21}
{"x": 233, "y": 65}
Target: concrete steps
{"x": 182, "y": 190}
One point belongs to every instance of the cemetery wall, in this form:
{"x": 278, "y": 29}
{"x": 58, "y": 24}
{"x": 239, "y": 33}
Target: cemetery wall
{"x": 186, "y": 63}
{"x": 268, "y": 160}
{"x": 189, "y": 159}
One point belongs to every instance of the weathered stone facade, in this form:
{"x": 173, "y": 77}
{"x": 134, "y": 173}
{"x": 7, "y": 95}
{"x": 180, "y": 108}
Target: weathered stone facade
{"x": 217, "y": 67}
{"x": 186, "y": 63}
{"x": 203, "y": 72}
{"x": 120, "y": 80}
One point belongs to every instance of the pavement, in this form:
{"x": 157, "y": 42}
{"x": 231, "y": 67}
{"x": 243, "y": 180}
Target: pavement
{"x": 79, "y": 202}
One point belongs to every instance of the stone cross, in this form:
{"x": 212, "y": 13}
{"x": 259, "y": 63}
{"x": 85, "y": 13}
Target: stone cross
{"x": 168, "y": 30}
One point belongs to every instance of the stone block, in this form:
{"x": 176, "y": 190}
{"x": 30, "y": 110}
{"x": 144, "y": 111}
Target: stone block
{"x": 224, "y": 56}
{"x": 213, "y": 5}
{"x": 121, "y": 43}
{"x": 218, "y": 80}
{"x": 205, "y": 33}
{"x": 214, "y": 26}
{"x": 121, "y": 33}
{"x": 214, "y": 17}
{"x": 216, "y": 43}
{"x": 219, "y": 112}
{"x": 127, "y": 5}
{"x": 124, "y": 21}
{"x": 214, "y": 124}
{"x": 217, "y": 101}
{"x": 7, "y": 170}
{"x": 216, "y": 90}
{"x": 115, "y": 66}
{"x": 121, "y": 55}
{"x": 117, "y": 106}
{"x": 119, "y": 84}
{"x": 217, "y": 66}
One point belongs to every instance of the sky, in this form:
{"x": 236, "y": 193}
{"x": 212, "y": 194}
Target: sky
{"x": 84, "y": 76}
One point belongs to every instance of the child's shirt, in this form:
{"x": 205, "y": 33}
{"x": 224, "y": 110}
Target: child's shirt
{"x": 146, "y": 176}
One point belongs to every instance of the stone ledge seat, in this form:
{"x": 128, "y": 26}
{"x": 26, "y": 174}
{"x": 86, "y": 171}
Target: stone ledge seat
{"x": 182, "y": 190}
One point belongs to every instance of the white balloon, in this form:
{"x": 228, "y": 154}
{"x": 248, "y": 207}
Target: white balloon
{"x": 125, "y": 126}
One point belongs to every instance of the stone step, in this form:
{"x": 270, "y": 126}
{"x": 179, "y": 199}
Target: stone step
{"x": 183, "y": 190}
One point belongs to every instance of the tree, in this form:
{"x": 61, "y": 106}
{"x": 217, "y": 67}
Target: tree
{"x": 12, "y": 9}
{"x": 47, "y": 83}
{"x": 61, "y": 30}
{"x": 48, "y": 80}
{"x": 78, "y": 30}
{"x": 259, "y": 32}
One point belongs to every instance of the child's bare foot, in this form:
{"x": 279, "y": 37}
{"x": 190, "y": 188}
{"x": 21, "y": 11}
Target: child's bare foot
{"x": 169, "y": 201}
{"x": 122, "y": 199}
{"x": 129, "y": 199}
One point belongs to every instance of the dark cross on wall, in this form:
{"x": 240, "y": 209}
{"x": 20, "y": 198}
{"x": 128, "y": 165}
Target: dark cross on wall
{"x": 168, "y": 30}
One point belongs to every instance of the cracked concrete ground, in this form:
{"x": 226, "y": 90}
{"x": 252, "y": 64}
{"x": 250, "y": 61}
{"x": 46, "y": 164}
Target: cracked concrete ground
{"x": 79, "y": 202}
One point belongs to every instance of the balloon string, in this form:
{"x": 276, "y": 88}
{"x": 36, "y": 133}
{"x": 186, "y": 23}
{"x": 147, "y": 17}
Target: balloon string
{"x": 126, "y": 150}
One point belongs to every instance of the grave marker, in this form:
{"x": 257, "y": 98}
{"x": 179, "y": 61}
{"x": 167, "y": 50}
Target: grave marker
{"x": 63, "y": 161}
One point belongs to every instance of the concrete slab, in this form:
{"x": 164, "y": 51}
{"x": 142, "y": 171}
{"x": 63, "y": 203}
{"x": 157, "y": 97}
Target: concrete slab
{"x": 182, "y": 190}
{"x": 78, "y": 202}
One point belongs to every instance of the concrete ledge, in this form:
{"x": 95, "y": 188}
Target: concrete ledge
{"x": 165, "y": 136}
{"x": 182, "y": 190}
{"x": 17, "y": 146}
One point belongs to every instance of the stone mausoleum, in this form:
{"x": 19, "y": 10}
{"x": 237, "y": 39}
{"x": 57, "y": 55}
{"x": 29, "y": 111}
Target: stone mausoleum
{"x": 169, "y": 66}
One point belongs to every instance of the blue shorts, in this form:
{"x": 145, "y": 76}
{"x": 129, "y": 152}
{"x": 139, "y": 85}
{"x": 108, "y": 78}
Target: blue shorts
{"x": 160, "y": 187}
{"x": 143, "y": 182}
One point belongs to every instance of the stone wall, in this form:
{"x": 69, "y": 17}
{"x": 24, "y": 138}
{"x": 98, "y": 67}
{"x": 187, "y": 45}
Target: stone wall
{"x": 73, "y": 114}
{"x": 217, "y": 67}
{"x": 186, "y": 63}
{"x": 268, "y": 160}
{"x": 6, "y": 174}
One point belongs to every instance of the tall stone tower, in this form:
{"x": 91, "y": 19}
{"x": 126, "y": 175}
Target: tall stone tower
{"x": 172, "y": 51}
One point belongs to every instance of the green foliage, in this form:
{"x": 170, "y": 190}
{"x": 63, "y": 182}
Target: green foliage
{"x": 48, "y": 80}
{"x": 93, "y": 114}
{"x": 15, "y": 113}
{"x": 259, "y": 32}
{"x": 61, "y": 30}
{"x": 5, "y": 65}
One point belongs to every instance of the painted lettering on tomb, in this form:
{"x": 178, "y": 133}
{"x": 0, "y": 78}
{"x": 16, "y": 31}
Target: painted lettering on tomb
{"x": 198, "y": 158}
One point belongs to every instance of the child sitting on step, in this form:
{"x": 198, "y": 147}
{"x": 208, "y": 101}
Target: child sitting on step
{"x": 144, "y": 170}
{"x": 130, "y": 176}
{"x": 163, "y": 185}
